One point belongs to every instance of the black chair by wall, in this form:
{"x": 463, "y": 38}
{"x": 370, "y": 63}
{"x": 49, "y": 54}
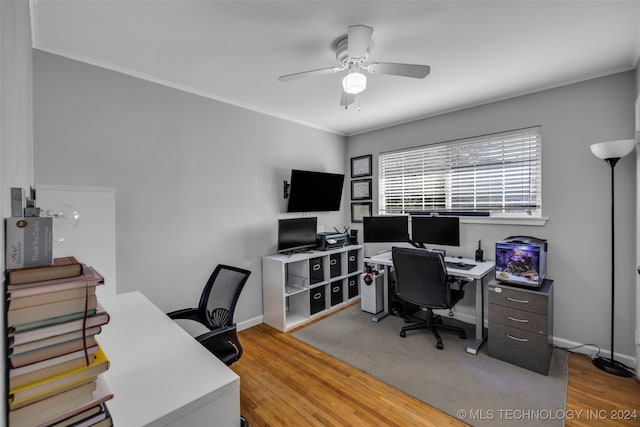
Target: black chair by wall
{"x": 213, "y": 318}
{"x": 421, "y": 279}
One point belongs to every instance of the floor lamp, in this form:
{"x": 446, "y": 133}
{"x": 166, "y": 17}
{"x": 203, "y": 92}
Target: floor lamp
{"x": 611, "y": 152}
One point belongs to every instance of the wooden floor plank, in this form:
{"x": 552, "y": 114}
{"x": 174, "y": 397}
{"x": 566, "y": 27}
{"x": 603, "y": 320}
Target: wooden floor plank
{"x": 287, "y": 382}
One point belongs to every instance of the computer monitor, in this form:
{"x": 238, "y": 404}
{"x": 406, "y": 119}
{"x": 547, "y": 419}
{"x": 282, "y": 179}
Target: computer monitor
{"x": 297, "y": 234}
{"x": 385, "y": 229}
{"x": 436, "y": 230}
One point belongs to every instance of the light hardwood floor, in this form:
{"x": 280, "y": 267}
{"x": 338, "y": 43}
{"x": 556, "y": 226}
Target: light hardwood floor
{"x": 285, "y": 382}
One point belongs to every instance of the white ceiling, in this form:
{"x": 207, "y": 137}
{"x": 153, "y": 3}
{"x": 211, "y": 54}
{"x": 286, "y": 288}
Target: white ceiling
{"x": 479, "y": 51}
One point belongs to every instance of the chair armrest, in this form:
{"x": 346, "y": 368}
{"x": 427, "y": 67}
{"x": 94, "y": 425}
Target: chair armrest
{"x": 185, "y": 313}
{"x": 226, "y": 334}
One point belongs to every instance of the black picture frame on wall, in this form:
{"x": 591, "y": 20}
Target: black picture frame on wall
{"x": 361, "y": 166}
{"x": 359, "y": 210}
{"x": 361, "y": 189}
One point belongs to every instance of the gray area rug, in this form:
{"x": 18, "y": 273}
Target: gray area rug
{"x": 477, "y": 389}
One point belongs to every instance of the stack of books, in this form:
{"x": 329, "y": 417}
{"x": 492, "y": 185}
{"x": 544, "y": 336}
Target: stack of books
{"x": 55, "y": 362}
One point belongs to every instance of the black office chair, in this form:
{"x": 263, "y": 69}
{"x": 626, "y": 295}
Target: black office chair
{"x": 421, "y": 279}
{"x": 215, "y": 313}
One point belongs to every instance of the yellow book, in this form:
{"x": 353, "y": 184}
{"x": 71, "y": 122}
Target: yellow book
{"x": 32, "y": 392}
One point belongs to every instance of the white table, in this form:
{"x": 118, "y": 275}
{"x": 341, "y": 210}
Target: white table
{"x": 475, "y": 274}
{"x": 159, "y": 374}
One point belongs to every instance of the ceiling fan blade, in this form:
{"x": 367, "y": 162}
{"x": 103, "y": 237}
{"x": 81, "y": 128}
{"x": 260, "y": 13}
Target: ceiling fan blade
{"x": 318, "y": 72}
{"x": 347, "y": 99}
{"x": 404, "y": 70}
{"x": 358, "y": 40}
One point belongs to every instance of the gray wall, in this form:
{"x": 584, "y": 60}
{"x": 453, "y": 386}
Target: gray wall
{"x": 576, "y": 188}
{"x": 16, "y": 124}
{"x": 198, "y": 182}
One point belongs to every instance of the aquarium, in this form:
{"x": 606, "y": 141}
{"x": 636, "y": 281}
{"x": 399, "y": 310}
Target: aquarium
{"x": 521, "y": 260}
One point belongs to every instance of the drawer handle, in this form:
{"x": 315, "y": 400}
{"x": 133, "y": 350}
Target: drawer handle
{"x": 352, "y": 282}
{"x": 517, "y": 320}
{"x": 516, "y": 338}
{"x": 316, "y": 267}
{"x": 333, "y": 262}
{"x": 518, "y": 300}
{"x": 352, "y": 258}
{"x": 336, "y": 289}
{"x": 317, "y": 296}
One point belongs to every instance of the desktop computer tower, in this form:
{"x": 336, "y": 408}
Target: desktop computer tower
{"x": 399, "y": 307}
{"x": 372, "y": 294}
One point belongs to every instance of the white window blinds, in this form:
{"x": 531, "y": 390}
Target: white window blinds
{"x": 499, "y": 173}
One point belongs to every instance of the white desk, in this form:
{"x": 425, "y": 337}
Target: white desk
{"x": 159, "y": 374}
{"x": 476, "y": 274}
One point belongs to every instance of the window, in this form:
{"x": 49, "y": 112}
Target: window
{"x": 499, "y": 173}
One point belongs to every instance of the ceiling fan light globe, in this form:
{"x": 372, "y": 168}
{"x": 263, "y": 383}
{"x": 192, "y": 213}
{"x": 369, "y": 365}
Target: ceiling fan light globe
{"x": 354, "y": 83}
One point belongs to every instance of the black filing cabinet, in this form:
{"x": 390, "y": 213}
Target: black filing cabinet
{"x": 316, "y": 271}
{"x": 521, "y": 325}
{"x": 335, "y": 265}
{"x": 317, "y": 299}
{"x": 337, "y": 294}
{"x": 353, "y": 290}
{"x": 352, "y": 261}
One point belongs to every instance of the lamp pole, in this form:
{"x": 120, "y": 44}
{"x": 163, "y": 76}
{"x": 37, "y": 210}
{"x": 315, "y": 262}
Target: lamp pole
{"x": 611, "y": 152}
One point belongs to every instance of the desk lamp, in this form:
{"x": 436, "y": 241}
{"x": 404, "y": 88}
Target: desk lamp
{"x": 611, "y": 152}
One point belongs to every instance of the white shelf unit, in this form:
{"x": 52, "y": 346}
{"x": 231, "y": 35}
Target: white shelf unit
{"x": 300, "y": 287}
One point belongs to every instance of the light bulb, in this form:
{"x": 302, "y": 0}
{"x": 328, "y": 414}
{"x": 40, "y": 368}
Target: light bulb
{"x": 65, "y": 218}
{"x": 354, "y": 82}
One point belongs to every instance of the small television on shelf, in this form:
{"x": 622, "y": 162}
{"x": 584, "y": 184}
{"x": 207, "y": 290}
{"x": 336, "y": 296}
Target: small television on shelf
{"x": 436, "y": 230}
{"x": 314, "y": 191}
{"x": 385, "y": 229}
{"x": 297, "y": 234}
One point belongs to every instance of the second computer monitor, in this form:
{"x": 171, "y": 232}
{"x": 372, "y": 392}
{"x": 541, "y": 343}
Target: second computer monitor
{"x": 436, "y": 230}
{"x": 385, "y": 229}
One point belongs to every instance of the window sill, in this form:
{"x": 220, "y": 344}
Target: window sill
{"x": 505, "y": 220}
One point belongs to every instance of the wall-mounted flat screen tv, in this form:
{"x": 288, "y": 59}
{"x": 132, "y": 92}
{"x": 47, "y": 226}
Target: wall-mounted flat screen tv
{"x": 295, "y": 234}
{"x": 315, "y": 191}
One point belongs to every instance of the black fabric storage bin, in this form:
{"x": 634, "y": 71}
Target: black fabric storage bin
{"x": 337, "y": 295}
{"x": 335, "y": 265}
{"x": 316, "y": 271}
{"x": 352, "y": 261}
{"x": 317, "y": 299}
{"x": 353, "y": 290}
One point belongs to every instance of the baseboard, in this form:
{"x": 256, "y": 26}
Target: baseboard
{"x": 591, "y": 351}
{"x": 250, "y": 323}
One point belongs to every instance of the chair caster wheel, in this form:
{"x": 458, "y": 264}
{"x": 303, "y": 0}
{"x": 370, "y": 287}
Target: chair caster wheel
{"x": 403, "y": 334}
{"x": 439, "y": 346}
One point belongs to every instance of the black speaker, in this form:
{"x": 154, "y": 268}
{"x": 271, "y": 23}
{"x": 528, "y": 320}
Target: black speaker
{"x": 399, "y": 307}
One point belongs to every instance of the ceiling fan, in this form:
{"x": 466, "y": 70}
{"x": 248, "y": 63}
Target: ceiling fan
{"x": 352, "y": 52}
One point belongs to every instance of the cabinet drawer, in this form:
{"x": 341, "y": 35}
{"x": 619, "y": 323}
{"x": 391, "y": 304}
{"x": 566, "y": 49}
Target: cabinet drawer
{"x": 337, "y": 295}
{"x": 519, "y": 319}
{"x": 526, "y": 349}
{"x": 520, "y": 300}
{"x": 335, "y": 265}
{"x": 352, "y": 287}
{"x": 352, "y": 261}
{"x": 316, "y": 272}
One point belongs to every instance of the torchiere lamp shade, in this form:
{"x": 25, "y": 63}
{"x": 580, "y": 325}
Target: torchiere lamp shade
{"x": 613, "y": 149}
